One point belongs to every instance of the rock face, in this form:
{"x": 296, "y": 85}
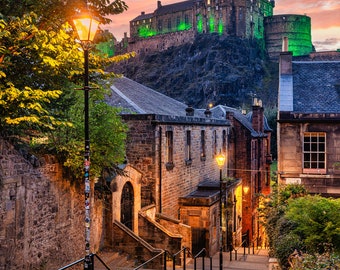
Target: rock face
{"x": 213, "y": 69}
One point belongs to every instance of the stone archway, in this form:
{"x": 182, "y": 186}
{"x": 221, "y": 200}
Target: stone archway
{"x": 126, "y": 197}
{"x": 127, "y": 206}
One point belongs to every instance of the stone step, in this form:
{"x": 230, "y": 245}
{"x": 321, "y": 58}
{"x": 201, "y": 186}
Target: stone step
{"x": 113, "y": 260}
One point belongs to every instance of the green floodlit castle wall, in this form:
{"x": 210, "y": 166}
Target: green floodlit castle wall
{"x": 297, "y": 28}
{"x": 177, "y": 23}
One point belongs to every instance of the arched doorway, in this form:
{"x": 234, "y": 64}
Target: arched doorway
{"x": 127, "y": 203}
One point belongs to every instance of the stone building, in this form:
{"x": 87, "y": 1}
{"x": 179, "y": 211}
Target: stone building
{"x": 308, "y": 124}
{"x": 179, "y": 23}
{"x": 249, "y": 160}
{"x": 173, "y": 149}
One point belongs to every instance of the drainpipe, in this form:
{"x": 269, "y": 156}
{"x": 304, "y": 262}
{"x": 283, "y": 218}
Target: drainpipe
{"x": 160, "y": 169}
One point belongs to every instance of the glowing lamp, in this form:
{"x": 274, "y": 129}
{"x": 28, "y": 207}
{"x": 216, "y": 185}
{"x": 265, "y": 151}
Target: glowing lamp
{"x": 220, "y": 159}
{"x": 245, "y": 189}
{"x": 86, "y": 27}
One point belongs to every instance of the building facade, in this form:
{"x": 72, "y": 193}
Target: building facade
{"x": 173, "y": 148}
{"x": 308, "y": 124}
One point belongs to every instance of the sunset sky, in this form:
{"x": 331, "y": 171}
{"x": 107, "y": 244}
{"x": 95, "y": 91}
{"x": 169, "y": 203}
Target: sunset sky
{"x": 325, "y": 15}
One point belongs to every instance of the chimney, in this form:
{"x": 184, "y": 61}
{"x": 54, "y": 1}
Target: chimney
{"x": 258, "y": 114}
{"x": 190, "y": 111}
{"x": 285, "y": 96}
{"x": 143, "y": 13}
{"x": 229, "y": 116}
{"x": 285, "y": 44}
{"x": 207, "y": 113}
{"x": 159, "y": 4}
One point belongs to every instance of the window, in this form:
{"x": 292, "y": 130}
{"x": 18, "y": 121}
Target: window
{"x": 203, "y": 145}
{"x": 169, "y": 146}
{"x": 169, "y": 24}
{"x": 214, "y": 143}
{"x": 224, "y": 141}
{"x": 314, "y": 152}
{"x": 186, "y": 19}
{"x": 188, "y": 148}
{"x": 169, "y": 154}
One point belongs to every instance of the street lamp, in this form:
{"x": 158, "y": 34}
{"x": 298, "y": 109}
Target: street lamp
{"x": 86, "y": 28}
{"x": 220, "y": 159}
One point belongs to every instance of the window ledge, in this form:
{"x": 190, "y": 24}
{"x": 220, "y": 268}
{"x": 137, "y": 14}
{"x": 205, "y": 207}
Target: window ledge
{"x": 314, "y": 171}
{"x": 188, "y": 162}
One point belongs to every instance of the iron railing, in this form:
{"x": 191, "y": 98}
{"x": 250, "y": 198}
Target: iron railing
{"x": 92, "y": 255}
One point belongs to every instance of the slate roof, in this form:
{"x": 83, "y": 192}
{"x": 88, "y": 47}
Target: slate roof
{"x": 137, "y": 98}
{"x": 245, "y": 120}
{"x": 175, "y": 7}
{"x": 316, "y": 86}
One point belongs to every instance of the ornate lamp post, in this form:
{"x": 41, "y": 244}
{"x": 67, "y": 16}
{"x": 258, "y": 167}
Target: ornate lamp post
{"x": 86, "y": 28}
{"x": 220, "y": 159}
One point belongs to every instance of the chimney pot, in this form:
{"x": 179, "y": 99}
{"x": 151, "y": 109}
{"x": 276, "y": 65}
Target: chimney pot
{"x": 190, "y": 111}
{"x": 285, "y": 44}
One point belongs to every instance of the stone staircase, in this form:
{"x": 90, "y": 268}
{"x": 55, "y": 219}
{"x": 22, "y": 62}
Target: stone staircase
{"x": 257, "y": 261}
{"x": 113, "y": 260}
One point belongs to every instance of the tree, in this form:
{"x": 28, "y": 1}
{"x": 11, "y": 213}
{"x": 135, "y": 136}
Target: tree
{"x": 301, "y": 224}
{"x": 278, "y": 228}
{"x": 39, "y": 70}
{"x": 317, "y": 222}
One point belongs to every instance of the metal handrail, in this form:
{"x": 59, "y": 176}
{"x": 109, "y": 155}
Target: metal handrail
{"x": 253, "y": 243}
{"x": 184, "y": 258}
{"x": 92, "y": 255}
{"x": 161, "y": 253}
{"x": 107, "y": 267}
{"x": 199, "y": 255}
{"x": 244, "y": 249}
{"x": 71, "y": 264}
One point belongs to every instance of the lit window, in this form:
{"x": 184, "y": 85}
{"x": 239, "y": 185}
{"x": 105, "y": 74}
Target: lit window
{"x": 314, "y": 152}
{"x": 203, "y": 146}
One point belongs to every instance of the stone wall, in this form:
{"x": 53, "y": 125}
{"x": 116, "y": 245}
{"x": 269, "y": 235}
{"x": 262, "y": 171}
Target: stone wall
{"x": 160, "y": 42}
{"x": 41, "y": 214}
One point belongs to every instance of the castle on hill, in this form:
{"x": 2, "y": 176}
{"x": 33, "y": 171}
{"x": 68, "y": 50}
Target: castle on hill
{"x": 179, "y": 23}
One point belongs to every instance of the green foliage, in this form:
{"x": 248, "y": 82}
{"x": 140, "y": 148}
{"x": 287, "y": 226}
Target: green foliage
{"x": 318, "y": 223}
{"x": 31, "y": 61}
{"x": 297, "y": 222}
{"x": 40, "y": 67}
{"x": 304, "y": 261}
{"x": 107, "y": 139}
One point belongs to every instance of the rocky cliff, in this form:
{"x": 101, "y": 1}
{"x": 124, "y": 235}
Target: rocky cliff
{"x": 213, "y": 69}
